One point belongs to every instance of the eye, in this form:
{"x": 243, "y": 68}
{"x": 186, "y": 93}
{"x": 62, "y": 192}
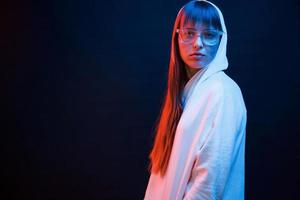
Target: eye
{"x": 191, "y": 33}
{"x": 210, "y": 34}
{"x": 188, "y": 33}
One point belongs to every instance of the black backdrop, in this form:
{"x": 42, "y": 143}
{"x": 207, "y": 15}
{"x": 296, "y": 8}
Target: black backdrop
{"x": 83, "y": 81}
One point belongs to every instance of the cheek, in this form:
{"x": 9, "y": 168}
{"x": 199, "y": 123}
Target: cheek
{"x": 212, "y": 51}
{"x": 183, "y": 50}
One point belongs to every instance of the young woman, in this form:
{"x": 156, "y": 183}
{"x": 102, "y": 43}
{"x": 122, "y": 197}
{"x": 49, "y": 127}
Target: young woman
{"x": 199, "y": 148}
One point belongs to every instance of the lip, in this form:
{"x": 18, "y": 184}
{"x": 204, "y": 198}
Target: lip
{"x": 197, "y": 54}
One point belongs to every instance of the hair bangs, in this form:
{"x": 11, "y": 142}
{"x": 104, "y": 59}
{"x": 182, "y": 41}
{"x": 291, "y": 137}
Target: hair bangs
{"x": 201, "y": 12}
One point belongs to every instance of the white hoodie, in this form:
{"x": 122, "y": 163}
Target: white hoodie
{"x": 207, "y": 159}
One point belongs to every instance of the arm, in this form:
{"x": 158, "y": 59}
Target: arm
{"x": 221, "y": 156}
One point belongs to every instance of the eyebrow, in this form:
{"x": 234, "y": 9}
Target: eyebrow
{"x": 189, "y": 27}
{"x": 205, "y": 29}
{"x": 193, "y": 26}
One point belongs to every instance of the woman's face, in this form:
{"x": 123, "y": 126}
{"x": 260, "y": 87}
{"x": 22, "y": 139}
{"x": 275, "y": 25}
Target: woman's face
{"x": 196, "y": 54}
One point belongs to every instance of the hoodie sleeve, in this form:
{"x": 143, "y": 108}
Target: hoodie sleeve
{"x": 218, "y": 169}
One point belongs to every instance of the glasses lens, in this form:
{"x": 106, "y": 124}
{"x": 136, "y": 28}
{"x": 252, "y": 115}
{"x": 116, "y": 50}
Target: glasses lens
{"x": 188, "y": 35}
{"x": 210, "y": 37}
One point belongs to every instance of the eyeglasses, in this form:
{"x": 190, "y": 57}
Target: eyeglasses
{"x": 208, "y": 37}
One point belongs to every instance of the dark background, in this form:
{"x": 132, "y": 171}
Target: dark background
{"x": 82, "y": 84}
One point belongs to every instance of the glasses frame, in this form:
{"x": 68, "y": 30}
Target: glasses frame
{"x": 199, "y": 33}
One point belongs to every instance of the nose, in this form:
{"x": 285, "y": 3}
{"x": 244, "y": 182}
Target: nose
{"x": 198, "y": 42}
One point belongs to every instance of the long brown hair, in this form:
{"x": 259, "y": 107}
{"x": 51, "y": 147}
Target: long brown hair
{"x": 194, "y": 11}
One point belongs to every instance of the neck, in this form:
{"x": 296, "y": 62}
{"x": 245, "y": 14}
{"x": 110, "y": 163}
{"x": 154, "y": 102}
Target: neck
{"x": 191, "y": 71}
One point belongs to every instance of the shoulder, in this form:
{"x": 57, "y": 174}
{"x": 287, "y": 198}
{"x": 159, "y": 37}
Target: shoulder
{"x": 218, "y": 85}
{"x": 223, "y": 88}
{"x": 222, "y": 83}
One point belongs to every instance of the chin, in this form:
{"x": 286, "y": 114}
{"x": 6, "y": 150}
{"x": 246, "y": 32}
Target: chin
{"x": 196, "y": 66}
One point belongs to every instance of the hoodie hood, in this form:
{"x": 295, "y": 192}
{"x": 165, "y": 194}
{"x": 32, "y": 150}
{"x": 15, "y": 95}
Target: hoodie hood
{"x": 219, "y": 63}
